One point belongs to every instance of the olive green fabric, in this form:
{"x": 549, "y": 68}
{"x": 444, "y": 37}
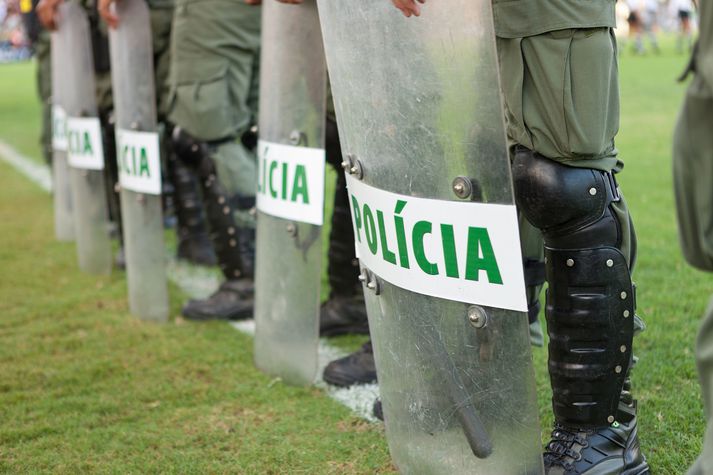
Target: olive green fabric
{"x": 215, "y": 56}
{"x": 561, "y": 95}
{"x": 693, "y": 184}
{"x": 161, "y": 19}
{"x": 521, "y": 18}
{"x": 215, "y": 51}
{"x": 693, "y": 173}
{"x": 704, "y": 360}
{"x": 532, "y": 248}
{"x": 160, "y": 4}
{"x": 44, "y": 90}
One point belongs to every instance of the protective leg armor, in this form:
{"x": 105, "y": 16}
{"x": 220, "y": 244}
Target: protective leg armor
{"x": 193, "y": 240}
{"x": 590, "y": 315}
{"x": 111, "y": 177}
{"x": 590, "y": 301}
{"x": 345, "y": 311}
{"x": 234, "y": 246}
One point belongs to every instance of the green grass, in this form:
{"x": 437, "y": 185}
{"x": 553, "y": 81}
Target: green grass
{"x": 85, "y": 387}
{"x": 20, "y": 108}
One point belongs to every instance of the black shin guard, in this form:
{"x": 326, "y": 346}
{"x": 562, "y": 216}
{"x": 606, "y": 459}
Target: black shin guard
{"x": 187, "y": 199}
{"x": 343, "y": 267}
{"x": 590, "y": 300}
{"x": 234, "y": 246}
{"x": 111, "y": 171}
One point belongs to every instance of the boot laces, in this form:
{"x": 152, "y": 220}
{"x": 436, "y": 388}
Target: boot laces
{"x": 559, "y": 450}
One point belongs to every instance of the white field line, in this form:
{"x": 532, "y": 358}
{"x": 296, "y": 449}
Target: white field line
{"x": 39, "y": 174}
{"x": 197, "y": 282}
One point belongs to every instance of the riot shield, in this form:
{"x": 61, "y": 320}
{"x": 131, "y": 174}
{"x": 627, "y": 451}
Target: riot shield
{"x": 63, "y": 218}
{"x": 85, "y": 154}
{"x": 421, "y": 124}
{"x": 139, "y": 160}
{"x": 290, "y": 192}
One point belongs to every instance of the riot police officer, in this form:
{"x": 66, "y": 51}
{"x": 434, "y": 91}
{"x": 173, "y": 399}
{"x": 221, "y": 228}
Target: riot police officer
{"x": 215, "y": 48}
{"x": 560, "y": 87}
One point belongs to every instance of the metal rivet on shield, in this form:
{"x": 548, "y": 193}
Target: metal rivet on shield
{"x": 374, "y": 284}
{"x": 623, "y": 295}
{"x": 610, "y": 419}
{"x": 570, "y": 262}
{"x": 117, "y": 187}
{"x": 622, "y": 348}
{"x": 232, "y": 243}
{"x": 291, "y": 229}
{"x": 462, "y": 187}
{"x": 194, "y": 147}
{"x": 617, "y": 369}
{"x": 237, "y": 273}
{"x": 296, "y": 137}
{"x": 231, "y": 230}
{"x": 226, "y": 210}
{"x": 357, "y": 170}
{"x": 221, "y": 200}
{"x": 477, "y": 316}
{"x": 610, "y": 263}
{"x": 592, "y": 191}
{"x": 626, "y": 314}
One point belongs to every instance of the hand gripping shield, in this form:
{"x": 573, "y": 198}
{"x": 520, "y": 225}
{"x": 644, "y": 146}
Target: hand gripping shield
{"x": 138, "y": 160}
{"x": 421, "y": 124}
{"x": 63, "y": 216}
{"x": 290, "y": 192}
{"x": 86, "y": 179}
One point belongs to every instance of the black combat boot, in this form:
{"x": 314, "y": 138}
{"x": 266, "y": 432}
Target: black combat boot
{"x": 232, "y": 301}
{"x": 234, "y": 246}
{"x": 194, "y": 244}
{"x": 612, "y": 449}
{"x": 345, "y": 311}
{"x": 343, "y": 314}
{"x": 357, "y": 368}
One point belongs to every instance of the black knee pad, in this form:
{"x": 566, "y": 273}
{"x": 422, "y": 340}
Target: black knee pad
{"x": 570, "y": 205}
{"x": 190, "y": 150}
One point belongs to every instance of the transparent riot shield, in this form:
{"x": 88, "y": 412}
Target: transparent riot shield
{"x": 87, "y": 183}
{"x": 63, "y": 217}
{"x": 290, "y": 192}
{"x": 421, "y": 124}
{"x": 139, "y": 160}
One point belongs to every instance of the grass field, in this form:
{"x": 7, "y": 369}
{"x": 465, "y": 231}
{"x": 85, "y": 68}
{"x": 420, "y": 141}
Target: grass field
{"x": 84, "y": 387}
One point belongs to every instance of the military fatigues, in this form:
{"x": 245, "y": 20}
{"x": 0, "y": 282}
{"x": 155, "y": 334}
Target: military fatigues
{"x": 215, "y": 51}
{"x": 693, "y": 169}
{"x": 558, "y": 64}
{"x": 213, "y": 81}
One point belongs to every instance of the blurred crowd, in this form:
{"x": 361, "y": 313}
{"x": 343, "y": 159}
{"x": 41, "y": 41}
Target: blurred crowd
{"x": 640, "y": 21}
{"x": 15, "y": 42}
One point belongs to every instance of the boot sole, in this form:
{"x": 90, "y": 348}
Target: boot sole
{"x": 344, "y": 382}
{"x": 641, "y": 469}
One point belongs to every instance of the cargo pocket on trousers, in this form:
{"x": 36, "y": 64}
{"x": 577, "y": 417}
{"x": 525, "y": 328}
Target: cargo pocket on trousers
{"x": 202, "y": 105}
{"x": 591, "y": 93}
